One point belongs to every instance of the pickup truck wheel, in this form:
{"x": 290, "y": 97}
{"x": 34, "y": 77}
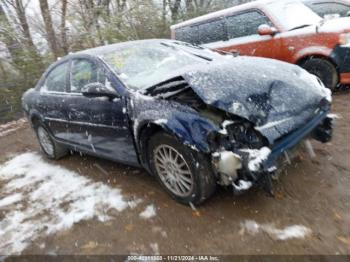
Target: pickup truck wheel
{"x": 325, "y": 70}
{"x": 184, "y": 173}
{"x": 51, "y": 149}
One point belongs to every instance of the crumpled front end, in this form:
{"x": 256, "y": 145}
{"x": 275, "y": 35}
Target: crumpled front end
{"x": 256, "y": 164}
{"x": 245, "y": 121}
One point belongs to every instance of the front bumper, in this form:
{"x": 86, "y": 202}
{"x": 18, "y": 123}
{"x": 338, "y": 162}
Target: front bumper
{"x": 341, "y": 56}
{"x": 257, "y": 166}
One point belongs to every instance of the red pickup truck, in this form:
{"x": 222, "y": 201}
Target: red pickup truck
{"x": 283, "y": 30}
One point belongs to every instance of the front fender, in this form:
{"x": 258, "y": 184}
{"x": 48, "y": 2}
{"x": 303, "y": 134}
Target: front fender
{"x": 179, "y": 120}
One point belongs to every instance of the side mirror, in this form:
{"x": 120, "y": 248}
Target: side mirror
{"x": 267, "y": 30}
{"x": 98, "y": 90}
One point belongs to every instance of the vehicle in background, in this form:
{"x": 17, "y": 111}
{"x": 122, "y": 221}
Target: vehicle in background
{"x": 283, "y": 30}
{"x": 188, "y": 115}
{"x": 326, "y": 8}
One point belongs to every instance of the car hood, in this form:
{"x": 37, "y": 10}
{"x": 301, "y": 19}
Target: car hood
{"x": 277, "y": 97}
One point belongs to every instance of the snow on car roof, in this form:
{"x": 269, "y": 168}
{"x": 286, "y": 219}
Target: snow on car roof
{"x": 256, "y": 4}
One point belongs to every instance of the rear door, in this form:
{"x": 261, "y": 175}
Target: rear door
{"x": 99, "y": 125}
{"x": 53, "y": 94}
{"x": 242, "y": 35}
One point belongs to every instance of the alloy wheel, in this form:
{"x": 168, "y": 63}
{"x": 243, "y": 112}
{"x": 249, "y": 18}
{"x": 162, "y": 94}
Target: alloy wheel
{"x": 173, "y": 170}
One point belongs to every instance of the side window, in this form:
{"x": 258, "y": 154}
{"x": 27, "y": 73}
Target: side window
{"x": 245, "y": 24}
{"x": 187, "y": 34}
{"x": 213, "y": 31}
{"x": 84, "y": 72}
{"x": 57, "y": 79}
{"x": 323, "y": 9}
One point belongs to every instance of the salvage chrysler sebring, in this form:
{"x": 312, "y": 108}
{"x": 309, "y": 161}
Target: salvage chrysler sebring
{"x": 192, "y": 117}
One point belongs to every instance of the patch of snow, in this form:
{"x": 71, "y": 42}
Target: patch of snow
{"x": 242, "y": 185}
{"x": 155, "y": 248}
{"x": 9, "y": 200}
{"x": 273, "y": 124}
{"x": 256, "y": 157}
{"x": 52, "y": 199}
{"x": 334, "y": 116}
{"x": 149, "y": 212}
{"x": 161, "y": 121}
{"x": 11, "y": 127}
{"x": 290, "y": 232}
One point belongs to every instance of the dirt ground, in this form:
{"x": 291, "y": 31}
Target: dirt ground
{"x": 311, "y": 192}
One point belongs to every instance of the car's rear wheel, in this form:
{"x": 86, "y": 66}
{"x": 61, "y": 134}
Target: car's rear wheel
{"x": 184, "y": 173}
{"x": 49, "y": 147}
{"x": 325, "y": 70}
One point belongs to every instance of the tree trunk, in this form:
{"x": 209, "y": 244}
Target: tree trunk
{"x": 175, "y": 8}
{"x": 50, "y": 33}
{"x": 33, "y": 52}
{"x": 64, "y": 43}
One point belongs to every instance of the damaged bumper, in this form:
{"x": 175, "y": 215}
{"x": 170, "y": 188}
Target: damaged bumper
{"x": 248, "y": 167}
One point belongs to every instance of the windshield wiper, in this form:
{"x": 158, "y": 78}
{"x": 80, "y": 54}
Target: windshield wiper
{"x": 299, "y": 27}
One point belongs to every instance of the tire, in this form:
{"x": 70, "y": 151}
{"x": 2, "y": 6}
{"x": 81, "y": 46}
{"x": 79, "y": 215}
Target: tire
{"x": 50, "y": 148}
{"x": 189, "y": 178}
{"x": 325, "y": 70}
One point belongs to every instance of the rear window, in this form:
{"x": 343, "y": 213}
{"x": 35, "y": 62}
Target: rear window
{"x": 204, "y": 33}
{"x": 57, "y": 79}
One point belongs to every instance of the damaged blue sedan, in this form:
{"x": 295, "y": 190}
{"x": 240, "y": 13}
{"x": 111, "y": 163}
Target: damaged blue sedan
{"x": 192, "y": 117}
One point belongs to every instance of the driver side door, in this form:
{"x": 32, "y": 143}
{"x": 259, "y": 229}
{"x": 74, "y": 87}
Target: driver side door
{"x": 99, "y": 125}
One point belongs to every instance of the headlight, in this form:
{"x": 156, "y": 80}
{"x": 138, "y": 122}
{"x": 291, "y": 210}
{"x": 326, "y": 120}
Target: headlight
{"x": 236, "y": 136}
{"x": 344, "y": 39}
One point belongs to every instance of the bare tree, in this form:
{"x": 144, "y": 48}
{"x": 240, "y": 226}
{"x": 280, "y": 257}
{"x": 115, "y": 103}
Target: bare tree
{"x": 64, "y": 43}
{"x": 50, "y": 32}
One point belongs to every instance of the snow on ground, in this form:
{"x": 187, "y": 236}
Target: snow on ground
{"x": 295, "y": 231}
{"x": 38, "y": 198}
{"x": 149, "y": 212}
{"x": 10, "y": 127}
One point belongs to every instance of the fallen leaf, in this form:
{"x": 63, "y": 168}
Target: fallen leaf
{"x": 129, "y": 227}
{"x": 337, "y": 216}
{"x": 196, "y": 213}
{"x": 345, "y": 240}
{"x": 89, "y": 245}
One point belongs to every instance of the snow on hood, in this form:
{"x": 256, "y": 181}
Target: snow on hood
{"x": 263, "y": 91}
{"x": 340, "y": 25}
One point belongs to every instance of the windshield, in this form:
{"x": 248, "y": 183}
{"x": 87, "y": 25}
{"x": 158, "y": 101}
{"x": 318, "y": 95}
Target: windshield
{"x": 294, "y": 15}
{"x": 142, "y": 65}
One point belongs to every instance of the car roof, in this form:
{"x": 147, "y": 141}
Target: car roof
{"x": 109, "y": 48}
{"x": 251, "y": 5}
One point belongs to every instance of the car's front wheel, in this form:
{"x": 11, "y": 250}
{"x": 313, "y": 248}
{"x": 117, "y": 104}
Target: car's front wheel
{"x": 183, "y": 172}
{"x": 49, "y": 147}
